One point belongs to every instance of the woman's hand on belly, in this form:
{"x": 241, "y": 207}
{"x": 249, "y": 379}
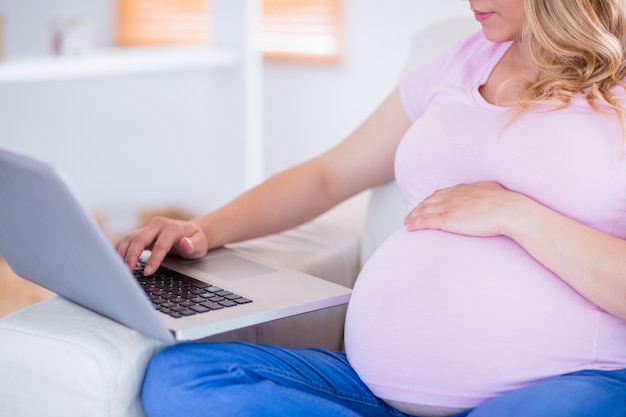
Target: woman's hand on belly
{"x": 592, "y": 262}
{"x": 478, "y": 209}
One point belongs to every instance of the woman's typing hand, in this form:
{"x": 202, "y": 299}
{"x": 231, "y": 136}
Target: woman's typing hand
{"x": 162, "y": 236}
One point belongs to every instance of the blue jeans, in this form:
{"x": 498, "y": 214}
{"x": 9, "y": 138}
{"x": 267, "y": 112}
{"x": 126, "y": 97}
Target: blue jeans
{"x": 239, "y": 379}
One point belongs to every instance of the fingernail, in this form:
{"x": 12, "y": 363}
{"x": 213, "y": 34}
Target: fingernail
{"x": 190, "y": 242}
{"x": 148, "y": 270}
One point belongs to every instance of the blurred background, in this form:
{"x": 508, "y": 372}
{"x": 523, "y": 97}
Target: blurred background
{"x": 179, "y": 132}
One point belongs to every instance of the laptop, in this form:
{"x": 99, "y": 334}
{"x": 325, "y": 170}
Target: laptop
{"x": 48, "y": 238}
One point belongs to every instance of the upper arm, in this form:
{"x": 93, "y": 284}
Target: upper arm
{"x": 366, "y": 157}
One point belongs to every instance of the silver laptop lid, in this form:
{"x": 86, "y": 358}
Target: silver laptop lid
{"x": 47, "y": 237}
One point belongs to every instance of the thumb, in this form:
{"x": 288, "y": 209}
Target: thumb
{"x": 187, "y": 244}
{"x": 188, "y": 248}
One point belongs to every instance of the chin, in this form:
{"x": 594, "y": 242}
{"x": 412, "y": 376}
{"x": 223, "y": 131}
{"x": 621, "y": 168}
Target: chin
{"x": 499, "y": 36}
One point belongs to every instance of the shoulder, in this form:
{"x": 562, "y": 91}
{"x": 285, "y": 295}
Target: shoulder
{"x": 461, "y": 65}
{"x": 464, "y": 57}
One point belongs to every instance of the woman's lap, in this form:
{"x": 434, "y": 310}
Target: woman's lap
{"x": 245, "y": 380}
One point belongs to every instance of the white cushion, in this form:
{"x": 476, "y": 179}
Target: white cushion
{"x": 385, "y": 212}
{"x": 59, "y": 359}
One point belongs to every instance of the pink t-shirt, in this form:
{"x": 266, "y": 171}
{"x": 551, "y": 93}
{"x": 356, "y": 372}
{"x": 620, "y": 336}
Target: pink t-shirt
{"x": 438, "y": 318}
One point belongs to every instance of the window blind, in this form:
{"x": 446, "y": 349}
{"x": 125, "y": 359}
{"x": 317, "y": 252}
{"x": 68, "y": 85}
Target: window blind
{"x": 162, "y": 22}
{"x": 301, "y": 29}
{"x": 290, "y": 29}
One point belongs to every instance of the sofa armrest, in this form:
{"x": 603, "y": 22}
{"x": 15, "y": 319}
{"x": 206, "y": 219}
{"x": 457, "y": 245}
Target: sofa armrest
{"x": 59, "y": 359}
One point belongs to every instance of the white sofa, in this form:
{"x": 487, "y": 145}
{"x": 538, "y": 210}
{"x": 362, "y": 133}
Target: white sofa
{"x": 58, "y": 359}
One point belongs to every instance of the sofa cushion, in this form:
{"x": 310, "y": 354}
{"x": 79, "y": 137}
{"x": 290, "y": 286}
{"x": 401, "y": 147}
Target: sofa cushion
{"x": 385, "y": 212}
{"x": 59, "y": 359}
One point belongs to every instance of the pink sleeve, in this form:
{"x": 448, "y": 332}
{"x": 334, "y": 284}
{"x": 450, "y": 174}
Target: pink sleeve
{"x": 417, "y": 87}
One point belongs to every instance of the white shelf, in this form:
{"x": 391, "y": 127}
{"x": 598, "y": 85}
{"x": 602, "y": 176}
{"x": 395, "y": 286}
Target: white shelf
{"x": 118, "y": 61}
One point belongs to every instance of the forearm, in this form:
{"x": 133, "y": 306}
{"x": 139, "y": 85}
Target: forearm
{"x": 591, "y": 262}
{"x": 283, "y": 201}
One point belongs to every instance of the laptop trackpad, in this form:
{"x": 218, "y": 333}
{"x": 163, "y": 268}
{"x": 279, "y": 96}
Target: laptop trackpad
{"x": 230, "y": 267}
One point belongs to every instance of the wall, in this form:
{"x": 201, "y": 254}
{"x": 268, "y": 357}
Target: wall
{"x": 126, "y": 142}
{"x": 158, "y": 140}
{"x": 309, "y": 109}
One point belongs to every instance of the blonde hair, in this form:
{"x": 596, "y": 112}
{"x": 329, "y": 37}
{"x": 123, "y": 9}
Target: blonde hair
{"x": 579, "y": 47}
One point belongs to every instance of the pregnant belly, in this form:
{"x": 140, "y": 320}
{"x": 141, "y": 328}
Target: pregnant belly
{"x": 442, "y": 319}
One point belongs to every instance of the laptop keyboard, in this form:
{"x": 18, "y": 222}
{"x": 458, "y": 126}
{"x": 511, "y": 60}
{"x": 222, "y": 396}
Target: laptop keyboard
{"x": 179, "y": 295}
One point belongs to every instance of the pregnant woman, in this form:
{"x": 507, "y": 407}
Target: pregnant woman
{"x": 503, "y": 291}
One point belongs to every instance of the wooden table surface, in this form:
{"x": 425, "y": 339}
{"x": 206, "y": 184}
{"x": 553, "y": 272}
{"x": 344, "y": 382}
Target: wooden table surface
{"x": 17, "y": 293}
